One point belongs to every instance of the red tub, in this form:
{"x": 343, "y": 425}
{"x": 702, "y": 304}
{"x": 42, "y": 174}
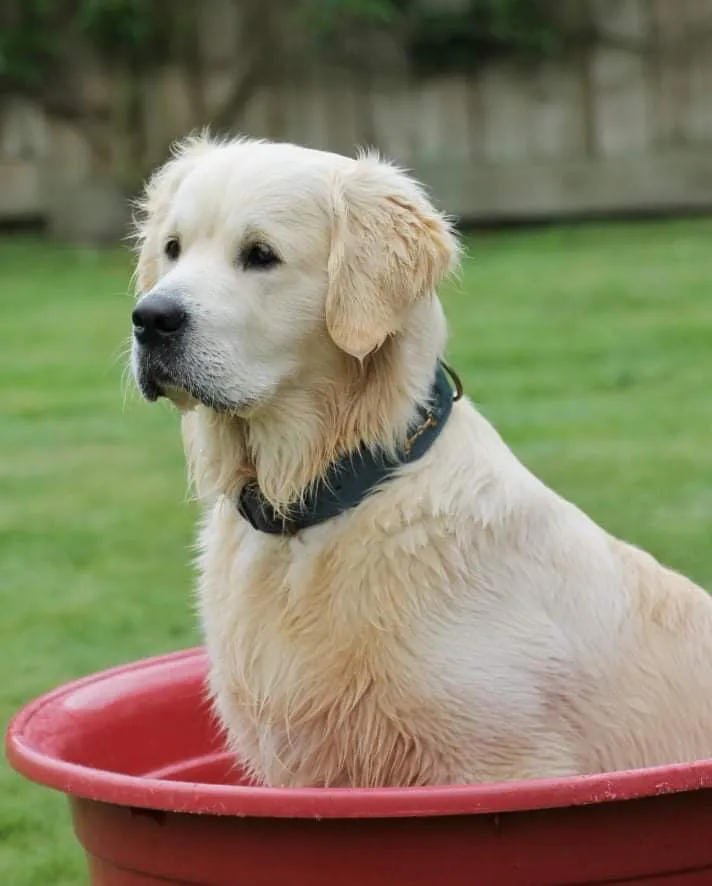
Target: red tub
{"x": 156, "y": 800}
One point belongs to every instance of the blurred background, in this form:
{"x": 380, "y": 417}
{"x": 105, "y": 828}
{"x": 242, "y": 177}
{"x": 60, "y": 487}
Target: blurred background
{"x": 572, "y": 140}
{"x": 508, "y": 109}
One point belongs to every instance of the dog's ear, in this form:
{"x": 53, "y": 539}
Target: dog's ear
{"x": 155, "y": 202}
{"x": 390, "y": 247}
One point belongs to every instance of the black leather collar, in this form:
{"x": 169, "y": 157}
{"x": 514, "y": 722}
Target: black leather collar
{"x": 354, "y": 476}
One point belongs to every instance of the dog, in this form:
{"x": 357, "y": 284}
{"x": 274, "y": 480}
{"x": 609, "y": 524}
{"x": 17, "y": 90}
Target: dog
{"x": 388, "y": 596}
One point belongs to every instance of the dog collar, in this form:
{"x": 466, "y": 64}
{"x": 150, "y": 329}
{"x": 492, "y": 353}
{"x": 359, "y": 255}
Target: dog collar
{"x": 357, "y": 474}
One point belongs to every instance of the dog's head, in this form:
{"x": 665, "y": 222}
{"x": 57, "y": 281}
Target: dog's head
{"x": 260, "y": 262}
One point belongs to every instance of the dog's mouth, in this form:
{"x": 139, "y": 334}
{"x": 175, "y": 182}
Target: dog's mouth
{"x": 151, "y": 389}
{"x": 155, "y": 381}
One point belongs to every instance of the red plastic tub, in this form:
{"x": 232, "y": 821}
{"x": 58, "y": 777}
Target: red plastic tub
{"x": 156, "y": 800}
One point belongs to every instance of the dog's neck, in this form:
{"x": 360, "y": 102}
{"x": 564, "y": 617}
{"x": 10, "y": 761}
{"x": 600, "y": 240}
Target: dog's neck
{"x": 291, "y": 443}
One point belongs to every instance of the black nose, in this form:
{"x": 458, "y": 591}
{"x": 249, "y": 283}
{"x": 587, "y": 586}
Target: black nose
{"x": 157, "y": 318}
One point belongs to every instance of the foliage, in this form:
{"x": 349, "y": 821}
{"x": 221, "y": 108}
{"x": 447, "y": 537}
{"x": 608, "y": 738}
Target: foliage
{"x": 442, "y": 40}
{"x": 37, "y": 37}
{"x": 446, "y": 35}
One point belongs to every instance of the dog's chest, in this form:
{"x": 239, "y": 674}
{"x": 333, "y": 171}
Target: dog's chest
{"x": 307, "y": 640}
{"x": 278, "y": 611}
{"x": 333, "y": 662}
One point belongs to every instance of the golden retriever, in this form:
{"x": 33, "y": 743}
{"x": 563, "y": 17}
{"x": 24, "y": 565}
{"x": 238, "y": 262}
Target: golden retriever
{"x": 460, "y": 622}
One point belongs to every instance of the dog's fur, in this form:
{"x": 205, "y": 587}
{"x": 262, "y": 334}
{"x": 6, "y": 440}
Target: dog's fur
{"x": 462, "y": 624}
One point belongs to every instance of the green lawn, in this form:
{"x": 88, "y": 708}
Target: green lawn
{"x": 590, "y": 349}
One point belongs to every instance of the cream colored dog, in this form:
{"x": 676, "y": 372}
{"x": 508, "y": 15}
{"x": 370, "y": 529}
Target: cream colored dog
{"x": 463, "y": 623}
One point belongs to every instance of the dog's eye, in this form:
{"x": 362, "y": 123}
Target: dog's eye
{"x": 172, "y": 248}
{"x": 259, "y": 256}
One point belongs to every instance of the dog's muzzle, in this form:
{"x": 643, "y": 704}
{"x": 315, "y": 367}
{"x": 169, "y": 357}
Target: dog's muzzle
{"x": 159, "y": 322}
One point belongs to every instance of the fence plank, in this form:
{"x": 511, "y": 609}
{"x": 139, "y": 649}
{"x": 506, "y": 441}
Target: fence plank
{"x": 556, "y": 122}
{"x": 506, "y": 113}
{"x": 670, "y": 75}
{"x": 622, "y": 105}
{"x": 697, "y": 45}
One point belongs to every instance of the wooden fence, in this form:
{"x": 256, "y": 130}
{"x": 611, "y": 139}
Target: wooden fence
{"x": 622, "y": 126}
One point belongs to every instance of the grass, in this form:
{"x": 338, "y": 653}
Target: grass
{"x": 589, "y": 348}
